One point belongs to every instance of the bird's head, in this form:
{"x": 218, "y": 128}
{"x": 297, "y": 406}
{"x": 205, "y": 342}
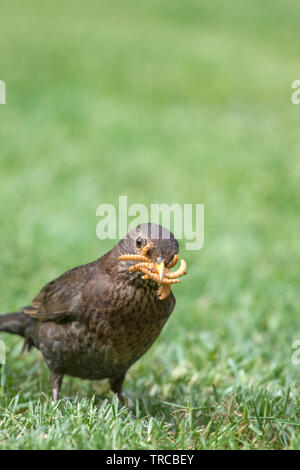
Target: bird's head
{"x": 163, "y": 246}
{"x": 149, "y": 252}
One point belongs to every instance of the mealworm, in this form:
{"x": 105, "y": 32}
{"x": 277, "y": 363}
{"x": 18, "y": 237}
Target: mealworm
{"x": 173, "y": 262}
{"x": 149, "y": 269}
{"x": 180, "y": 271}
{"x": 164, "y": 291}
{"x": 146, "y": 249}
{"x": 128, "y": 257}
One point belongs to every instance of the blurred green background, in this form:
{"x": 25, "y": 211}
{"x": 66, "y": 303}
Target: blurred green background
{"x": 162, "y": 101}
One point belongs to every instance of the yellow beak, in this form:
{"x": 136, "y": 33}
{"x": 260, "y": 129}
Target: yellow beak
{"x": 161, "y": 270}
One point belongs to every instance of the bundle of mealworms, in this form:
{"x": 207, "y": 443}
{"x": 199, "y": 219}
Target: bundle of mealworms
{"x": 150, "y": 271}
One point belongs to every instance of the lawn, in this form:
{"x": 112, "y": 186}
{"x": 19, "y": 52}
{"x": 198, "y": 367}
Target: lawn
{"x": 162, "y": 101}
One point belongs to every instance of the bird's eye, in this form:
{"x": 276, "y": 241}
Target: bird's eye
{"x": 139, "y": 242}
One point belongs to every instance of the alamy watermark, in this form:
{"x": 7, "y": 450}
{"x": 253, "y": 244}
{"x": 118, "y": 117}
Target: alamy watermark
{"x": 296, "y": 94}
{"x": 2, "y": 92}
{"x": 186, "y": 221}
{"x": 2, "y": 352}
{"x": 296, "y": 354}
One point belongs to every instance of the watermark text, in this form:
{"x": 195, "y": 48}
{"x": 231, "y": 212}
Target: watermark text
{"x": 186, "y": 221}
{"x": 296, "y": 353}
{"x": 2, "y": 353}
{"x": 296, "y": 93}
{"x": 2, "y": 92}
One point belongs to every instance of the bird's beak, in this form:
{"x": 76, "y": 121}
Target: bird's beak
{"x": 160, "y": 268}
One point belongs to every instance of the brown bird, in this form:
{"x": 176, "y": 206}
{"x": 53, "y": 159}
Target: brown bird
{"x": 97, "y": 319}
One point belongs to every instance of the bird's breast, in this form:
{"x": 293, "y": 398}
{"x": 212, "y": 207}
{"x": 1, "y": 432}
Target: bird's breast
{"x": 128, "y": 332}
{"x": 108, "y": 339}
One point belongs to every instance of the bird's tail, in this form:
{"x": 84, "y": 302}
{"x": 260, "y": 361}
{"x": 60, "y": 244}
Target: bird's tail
{"x": 14, "y": 323}
{"x": 18, "y": 324}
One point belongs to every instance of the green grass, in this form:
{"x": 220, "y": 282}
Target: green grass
{"x": 175, "y": 101}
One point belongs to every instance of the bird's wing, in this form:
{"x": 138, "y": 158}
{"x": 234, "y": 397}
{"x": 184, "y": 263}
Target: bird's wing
{"x": 61, "y": 299}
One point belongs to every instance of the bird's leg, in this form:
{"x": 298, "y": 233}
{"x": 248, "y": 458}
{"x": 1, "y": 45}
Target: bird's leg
{"x": 55, "y": 382}
{"x": 116, "y": 386}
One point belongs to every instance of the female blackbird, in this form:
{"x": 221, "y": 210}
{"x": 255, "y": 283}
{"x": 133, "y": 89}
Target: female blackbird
{"x": 96, "y": 320}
